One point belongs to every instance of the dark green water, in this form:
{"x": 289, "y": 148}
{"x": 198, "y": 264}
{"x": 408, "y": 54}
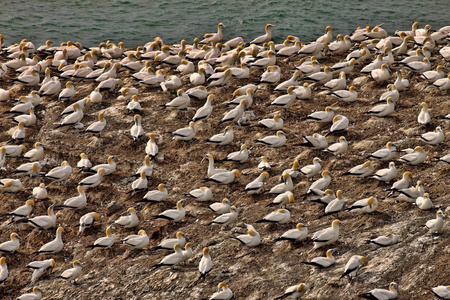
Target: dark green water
{"x": 135, "y": 22}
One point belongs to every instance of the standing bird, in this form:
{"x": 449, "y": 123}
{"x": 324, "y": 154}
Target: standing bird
{"x": 264, "y": 38}
{"x": 136, "y": 130}
{"x": 3, "y": 270}
{"x": 151, "y": 149}
{"x": 424, "y": 117}
{"x": 436, "y": 225}
{"x": 205, "y": 264}
{"x": 40, "y": 268}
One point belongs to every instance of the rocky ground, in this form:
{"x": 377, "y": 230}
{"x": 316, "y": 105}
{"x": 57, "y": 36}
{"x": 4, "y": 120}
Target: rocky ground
{"x": 263, "y": 272}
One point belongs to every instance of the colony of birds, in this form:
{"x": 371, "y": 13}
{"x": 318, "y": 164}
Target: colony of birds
{"x": 326, "y": 160}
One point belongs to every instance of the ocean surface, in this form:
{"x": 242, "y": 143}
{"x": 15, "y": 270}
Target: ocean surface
{"x": 136, "y": 22}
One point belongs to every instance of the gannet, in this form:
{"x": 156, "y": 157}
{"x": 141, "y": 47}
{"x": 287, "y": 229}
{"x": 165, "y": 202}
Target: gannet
{"x": 326, "y": 236}
{"x": 111, "y": 84}
{"x": 109, "y": 167}
{"x": 5, "y": 95}
{"x": 222, "y": 80}
{"x": 180, "y": 239}
{"x": 239, "y": 156}
{"x": 424, "y": 117}
{"x": 347, "y": 96}
{"x": 338, "y": 148}
{"x": 86, "y": 221}
{"x": 140, "y": 184}
{"x": 44, "y": 222}
{"x": 151, "y": 148}
{"x": 199, "y": 77}
{"x": 415, "y": 156}
{"x": 298, "y": 234}
{"x": 35, "y": 154}
{"x": 22, "y": 107}
{"x": 353, "y": 265}
{"x": 93, "y": 180}
{"x": 251, "y": 239}
{"x": 3, "y": 156}
{"x": 322, "y": 116}
{"x": 335, "y": 205}
{"x": 286, "y": 185}
{"x": 136, "y": 130}
{"x": 109, "y": 74}
{"x": 223, "y": 292}
{"x": 282, "y": 199}
{"x": 410, "y": 194}
{"x": 98, "y": 126}
{"x": 443, "y": 84}
{"x": 362, "y": 170}
{"x": 287, "y": 100}
{"x": 336, "y": 84}
{"x": 72, "y": 273}
{"x": 68, "y": 92}
{"x": 385, "y": 154}
{"x": 215, "y": 37}
{"x": 41, "y": 267}
{"x": 242, "y": 72}
{"x": 326, "y": 38}
{"x": 21, "y": 212}
{"x": 384, "y": 240}
{"x": 205, "y": 264}
{"x": 147, "y": 168}
{"x": 134, "y": 106}
{"x": 198, "y": 92}
{"x": 340, "y": 123}
{"x": 152, "y": 79}
{"x": 211, "y": 169}
{"x": 321, "y": 77}
{"x": 83, "y": 103}
{"x": 203, "y": 112}
{"x": 19, "y": 133}
{"x": 186, "y": 133}
{"x": 32, "y": 169}
{"x": 54, "y": 246}
{"x": 225, "y": 177}
{"x": 403, "y": 183}
{"x": 367, "y": 205}
{"x": 296, "y": 291}
{"x": 373, "y": 65}
{"x": 315, "y": 141}
{"x": 381, "y": 74}
{"x": 386, "y": 174}
{"x": 436, "y": 225}
{"x": 236, "y": 113}
{"x": 29, "y": 80}
{"x": 227, "y": 218}
{"x": 264, "y": 38}
{"x": 424, "y": 202}
{"x": 441, "y": 291}
{"x": 288, "y": 83}
{"x": 311, "y": 170}
{"x": 8, "y": 185}
{"x": 35, "y": 295}
{"x": 171, "y": 259}
{"x": 60, "y": 173}
{"x": 281, "y": 216}
{"x": 274, "y": 141}
{"x": 12, "y": 245}
{"x": 249, "y": 95}
{"x": 186, "y": 67}
{"x": 445, "y": 158}
{"x": 419, "y": 66}
{"x": 137, "y": 241}
{"x": 220, "y": 208}
{"x": 104, "y": 242}
{"x": 432, "y": 76}
{"x": 345, "y": 66}
{"x": 74, "y": 117}
{"x": 223, "y": 139}
{"x": 181, "y": 102}
{"x": 381, "y": 293}
{"x": 16, "y": 63}
{"x": 294, "y": 171}
{"x": 51, "y": 88}
{"x": 264, "y": 165}
{"x": 322, "y": 262}
{"x": 158, "y": 195}
{"x": 130, "y": 220}
{"x": 126, "y": 93}
{"x": 201, "y": 194}
{"x": 274, "y": 124}
{"x": 175, "y": 215}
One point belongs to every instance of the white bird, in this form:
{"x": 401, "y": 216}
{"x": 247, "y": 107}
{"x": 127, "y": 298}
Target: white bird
{"x": 109, "y": 167}
{"x": 147, "y": 168}
{"x": 382, "y": 294}
{"x": 299, "y": 233}
{"x": 335, "y": 205}
{"x": 98, "y": 126}
{"x": 198, "y": 92}
{"x": 12, "y": 245}
{"x": 28, "y": 120}
{"x": 158, "y": 195}
{"x": 326, "y": 236}
{"x": 67, "y": 93}
{"x": 130, "y": 220}
{"x": 136, "y": 130}
{"x": 362, "y": 170}
{"x": 294, "y": 171}
{"x": 345, "y": 66}
{"x": 168, "y": 244}
{"x": 181, "y": 102}
{"x": 74, "y": 117}
{"x": 403, "y": 183}
{"x": 353, "y": 265}
{"x": 322, "y": 116}
{"x": 8, "y": 185}
{"x": 186, "y": 67}
{"x": 315, "y": 141}
{"x": 419, "y": 66}
{"x": 198, "y": 78}
{"x": 401, "y": 84}
{"x": 311, "y": 170}
{"x": 45, "y": 221}
{"x": 72, "y": 273}
{"x": 443, "y": 84}
{"x": 286, "y": 185}
{"x": 104, "y": 242}
{"x": 441, "y": 291}
{"x": 203, "y": 112}
{"x": 223, "y": 79}
{"x": 415, "y": 156}
{"x": 282, "y": 199}
{"x": 384, "y": 240}
{"x": 19, "y": 133}
{"x": 205, "y": 264}
{"x": 386, "y": 153}
{"x": 211, "y": 169}
{"x": 386, "y": 174}
{"x": 336, "y": 84}
{"x": 340, "y": 123}
{"x": 84, "y": 162}
{"x": 367, "y": 205}
{"x": 60, "y": 173}
{"x": 35, "y": 154}
{"x": 303, "y": 92}
{"x": 175, "y": 215}
{"x": 32, "y": 169}
{"x": 86, "y": 221}
{"x": 35, "y": 295}
{"x": 412, "y": 193}
{"x": 290, "y": 82}
{"x": 264, "y": 38}
{"x": 83, "y": 103}
{"x": 294, "y": 292}
{"x": 215, "y": 37}
{"x": 222, "y": 207}
{"x": 54, "y": 246}
{"x": 93, "y": 180}
{"x": 40, "y": 267}
{"x": 227, "y": 218}
{"x": 347, "y": 96}
{"x": 321, "y": 77}
{"x": 151, "y": 148}
{"x": 137, "y": 241}
{"x": 239, "y": 156}
{"x": 281, "y": 216}
{"x": 322, "y": 262}
{"x": 251, "y": 239}
{"x": 274, "y": 141}
{"x": 436, "y": 225}
{"x": 433, "y": 137}
{"x": 424, "y": 202}
{"x": 381, "y": 74}
{"x": 338, "y": 148}
{"x": 264, "y": 164}
{"x": 223, "y": 293}
{"x": 432, "y": 76}
{"x": 224, "y": 138}
{"x": 171, "y": 259}
{"x": 201, "y": 194}
{"x": 424, "y": 117}
{"x": 225, "y": 177}
{"x": 274, "y": 124}
{"x": 140, "y": 184}
{"x": 21, "y": 212}
{"x": 186, "y": 133}
{"x": 236, "y": 113}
